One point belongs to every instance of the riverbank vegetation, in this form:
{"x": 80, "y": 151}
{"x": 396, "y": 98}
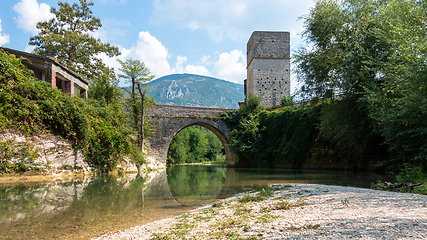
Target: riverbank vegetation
{"x": 99, "y": 126}
{"x": 364, "y": 70}
{"x": 195, "y": 144}
{"x": 29, "y": 106}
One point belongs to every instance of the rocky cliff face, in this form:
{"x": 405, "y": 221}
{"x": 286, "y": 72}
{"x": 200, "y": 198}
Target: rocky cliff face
{"x": 195, "y": 91}
{"x": 56, "y": 156}
{"x": 174, "y": 90}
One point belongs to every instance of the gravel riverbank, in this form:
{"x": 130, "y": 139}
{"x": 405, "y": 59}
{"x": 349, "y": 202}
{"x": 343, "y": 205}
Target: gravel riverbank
{"x": 297, "y": 211}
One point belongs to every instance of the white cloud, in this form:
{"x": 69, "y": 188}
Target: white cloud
{"x": 30, "y": 12}
{"x": 179, "y": 65}
{"x": 230, "y": 66}
{"x": 148, "y": 50}
{"x": 29, "y": 49}
{"x": 153, "y": 53}
{"x": 199, "y": 70}
{"x": 205, "y": 60}
{"x": 155, "y": 56}
{"x": 3, "y": 37}
{"x": 212, "y": 16}
{"x": 193, "y": 69}
{"x": 237, "y": 19}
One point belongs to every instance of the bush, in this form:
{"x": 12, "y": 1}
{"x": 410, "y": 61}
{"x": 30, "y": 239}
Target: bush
{"x": 30, "y": 106}
{"x": 287, "y": 101}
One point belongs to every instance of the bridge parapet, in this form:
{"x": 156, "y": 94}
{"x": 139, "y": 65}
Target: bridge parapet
{"x": 178, "y": 111}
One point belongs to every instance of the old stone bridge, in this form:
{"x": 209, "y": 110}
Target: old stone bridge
{"x": 167, "y": 121}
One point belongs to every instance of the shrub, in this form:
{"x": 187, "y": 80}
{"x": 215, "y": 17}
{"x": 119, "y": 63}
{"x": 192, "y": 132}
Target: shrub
{"x": 29, "y": 106}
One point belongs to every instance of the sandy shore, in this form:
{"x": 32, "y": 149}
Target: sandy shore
{"x": 297, "y": 211}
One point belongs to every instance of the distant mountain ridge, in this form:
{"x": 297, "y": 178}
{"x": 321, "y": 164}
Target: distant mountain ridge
{"x": 196, "y": 91}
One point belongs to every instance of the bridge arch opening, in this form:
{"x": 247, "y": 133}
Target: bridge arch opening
{"x": 198, "y": 142}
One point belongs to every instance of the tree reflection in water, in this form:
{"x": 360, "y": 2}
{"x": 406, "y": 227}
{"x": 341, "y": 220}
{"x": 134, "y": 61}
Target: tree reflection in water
{"x": 196, "y": 185}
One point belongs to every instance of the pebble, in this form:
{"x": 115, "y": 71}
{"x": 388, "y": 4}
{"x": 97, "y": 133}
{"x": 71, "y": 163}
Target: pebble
{"x": 338, "y": 212}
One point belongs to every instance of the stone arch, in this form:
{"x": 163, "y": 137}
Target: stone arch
{"x": 167, "y": 121}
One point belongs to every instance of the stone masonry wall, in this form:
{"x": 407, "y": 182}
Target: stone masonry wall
{"x": 167, "y": 121}
{"x": 178, "y": 111}
{"x": 268, "y": 70}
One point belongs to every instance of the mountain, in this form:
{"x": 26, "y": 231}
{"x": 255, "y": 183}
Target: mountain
{"x": 196, "y": 91}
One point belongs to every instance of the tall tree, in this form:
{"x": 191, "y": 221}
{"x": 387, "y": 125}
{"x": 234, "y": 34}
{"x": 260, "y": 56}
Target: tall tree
{"x": 375, "y": 49}
{"x": 344, "y": 51}
{"x": 399, "y": 102}
{"x": 67, "y": 38}
{"x": 137, "y": 74}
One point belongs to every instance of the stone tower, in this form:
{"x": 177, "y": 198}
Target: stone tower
{"x": 268, "y": 69}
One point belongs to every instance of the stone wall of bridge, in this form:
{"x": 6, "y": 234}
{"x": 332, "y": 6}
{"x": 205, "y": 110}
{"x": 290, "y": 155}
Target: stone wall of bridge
{"x": 167, "y": 121}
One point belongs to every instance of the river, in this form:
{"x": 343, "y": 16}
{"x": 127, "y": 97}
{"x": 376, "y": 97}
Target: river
{"x": 87, "y": 207}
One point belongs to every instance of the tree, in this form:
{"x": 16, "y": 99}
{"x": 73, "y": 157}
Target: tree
{"x": 104, "y": 88}
{"x": 399, "y": 102}
{"x": 344, "y": 52}
{"x": 376, "y": 51}
{"x": 67, "y": 38}
{"x": 138, "y": 74}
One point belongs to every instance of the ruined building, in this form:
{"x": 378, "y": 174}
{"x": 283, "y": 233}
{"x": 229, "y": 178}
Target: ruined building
{"x": 268, "y": 67}
{"x": 54, "y": 73}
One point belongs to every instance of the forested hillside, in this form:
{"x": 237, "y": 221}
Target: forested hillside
{"x": 196, "y": 91}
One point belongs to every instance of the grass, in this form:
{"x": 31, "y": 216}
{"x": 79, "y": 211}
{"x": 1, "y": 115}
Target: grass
{"x": 284, "y": 204}
{"x": 345, "y": 202}
{"x": 262, "y": 192}
{"x": 233, "y": 219}
{"x": 308, "y": 226}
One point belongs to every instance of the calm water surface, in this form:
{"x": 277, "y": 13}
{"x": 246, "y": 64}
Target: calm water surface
{"x": 85, "y": 208}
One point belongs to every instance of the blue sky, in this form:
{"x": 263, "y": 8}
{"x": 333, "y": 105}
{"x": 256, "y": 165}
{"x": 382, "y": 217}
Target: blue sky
{"x": 206, "y": 37}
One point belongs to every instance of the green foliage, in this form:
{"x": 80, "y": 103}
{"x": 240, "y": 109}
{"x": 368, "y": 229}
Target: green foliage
{"x": 104, "y": 88}
{"x": 195, "y": 144}
{"x": 271, "y": 138}
{"x": 134, "y": 71}
{"x": 30, "y": 106}
{"x": 196, "y": 185}
{"x": 262, "y": 193}
{"x": 287, "y": 135}
{"x": 344, "y": 53}
{"x": 137, "y": 74}
{"x": 16, "y": 156}
{"x": 244, "y": 127}
{"x": 411, "y": 174}
{"x": 287, "y": 101}
{"x": 399, "y": 102}
{"x": 67, "y": 38}
{"x": 345, "y": 123}
{"x": 375, "y": 49}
